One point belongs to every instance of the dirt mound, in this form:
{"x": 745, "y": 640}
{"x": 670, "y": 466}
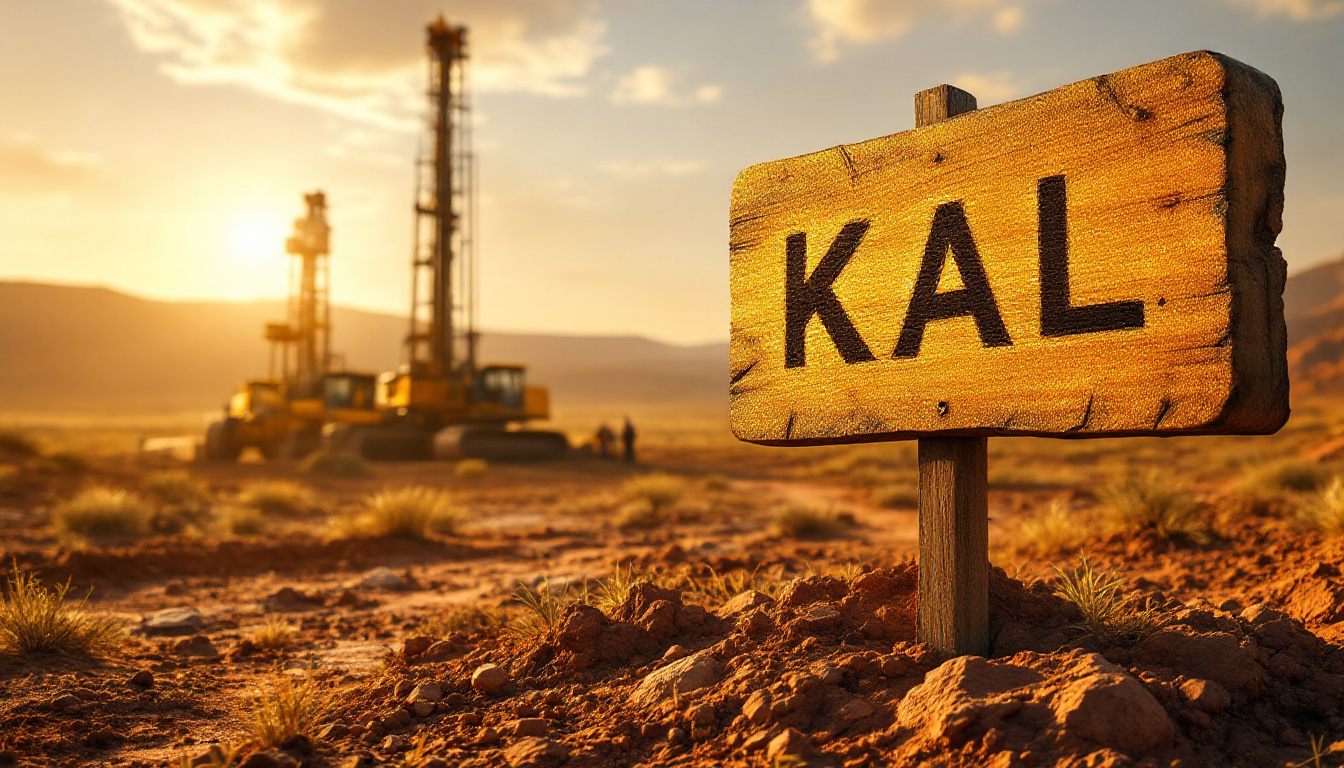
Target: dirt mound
{"x": 829, "y": 674}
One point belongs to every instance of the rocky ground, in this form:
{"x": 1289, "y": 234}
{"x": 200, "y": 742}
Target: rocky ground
{"x": 705, "y": 635}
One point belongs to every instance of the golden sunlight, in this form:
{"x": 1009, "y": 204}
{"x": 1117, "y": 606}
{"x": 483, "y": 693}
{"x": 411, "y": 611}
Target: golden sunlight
{"x": 257, "y": 236}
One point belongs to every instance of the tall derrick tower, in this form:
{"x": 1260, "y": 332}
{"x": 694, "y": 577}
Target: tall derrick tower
{"x": 300, "y": 347}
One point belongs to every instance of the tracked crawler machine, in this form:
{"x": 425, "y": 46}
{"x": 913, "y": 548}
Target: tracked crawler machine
{"x": 440, "y": 402}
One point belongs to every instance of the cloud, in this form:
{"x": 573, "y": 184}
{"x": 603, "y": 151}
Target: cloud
{"x": 989, "y": 88}
{"x": 673, "y": 168}
{"x": 1297, "y": 10}
{"x": 869, "y": 21}
{"x": 27, "y": 168}
{"x": 363, "y": 59}
{"x": 651, "y": 84}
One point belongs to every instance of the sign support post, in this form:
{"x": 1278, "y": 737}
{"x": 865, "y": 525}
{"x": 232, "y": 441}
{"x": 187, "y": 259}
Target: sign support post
{"x": 953, "y": 497}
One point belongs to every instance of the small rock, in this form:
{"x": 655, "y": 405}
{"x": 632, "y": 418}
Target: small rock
{"x": 425, "y": 692}
{"x": 533, "y": 752}
{"x": 743, "y": 602}
{"x": 196, "y": 646}
{"x": 789, "y": 743}
{"x": 361, "y": 760}
{"x": 333, "y": 732}
{"x": 528, "y": 726}
{"x": 291, "y": 600}
{"x": 677, "y": 736}
{"x": 1206, "y": 694}
{"x": 173, "y": 621}
{"x": 856, "y": 709}
{"x": 394, "y": 743}
{"x": 821, "y": 617}
{"x": 702, "y": 714}
{"x": 433, "y": 762}
{"x": 439, "y": 649}
{"x": 757, "y": 708}
{"x": 66, "y": 703}
{"x": 402, "y": 689}
{"x": 489, "y": 678}
{"x": 1216, "y": 656}
{"x": 416, "y": 646}
{"x": 676, "y": 652}
{"x": 382, "y": 578}
{"x": 269, "y": 759}
{"x": 142, "y": 679}
{"x": 756, "y": 741}
{"x": 487, "y": 735}
{"x": 298, "y": 744}
{"x": 423, "y": 708}
{"x": 682, "y": 676}
{"x": 1114, "y": 710}
{"x": 100, "y": 737}
{"x": 211, "y": 755}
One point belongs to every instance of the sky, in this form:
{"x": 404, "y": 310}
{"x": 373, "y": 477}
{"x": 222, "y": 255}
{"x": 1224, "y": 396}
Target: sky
{"x": 161, "y": 147}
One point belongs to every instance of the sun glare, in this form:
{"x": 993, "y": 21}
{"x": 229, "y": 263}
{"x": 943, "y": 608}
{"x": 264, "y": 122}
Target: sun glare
{"x": 257, "y": 237}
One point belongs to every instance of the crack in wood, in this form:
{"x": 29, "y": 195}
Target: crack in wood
{"x": 1087, "y": 416}
{"x": 849, "y": 163}
{"x": 1162, "y": 412}
{"x": 736, "y": 377}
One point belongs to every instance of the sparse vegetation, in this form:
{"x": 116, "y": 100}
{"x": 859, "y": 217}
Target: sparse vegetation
{"x": 717, "y": 482}
{"x": 178, "y": 489}
{"x": 1052, "y": 530}
{"x": 638, "y": 514}
{"x": 335, "y": 464}
{"x": 1325, "y": 510}
{"x": 1152, "y": 502}
{"x": 799, "y": 521}
{"x": 722, "y": 587}
{"x": 542, "y": 608}
{"x": 278, "y": 497}
{"x": 1292, "y": 474}
{"x": 463, "y": 618}
{"x": 288, "y": 707}
{"x": 471, "y": 469}
{"x": 18, "y": 445}
{"x": 410, "y": 513}
{"x": 99, "y": 513}
{"x": 35, "y": 619}
{"x": 274, "y": 635}
{"x": 1110, "y": 614}
{"x": 896, "y": 496}
{"x": 612, "y": 591}
{"x": 238, "y": 520}
{"x": 659, "y": 489}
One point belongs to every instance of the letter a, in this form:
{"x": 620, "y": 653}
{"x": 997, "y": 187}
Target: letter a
{"x": 951, "y": 232}
{"x": 812, "y": 295}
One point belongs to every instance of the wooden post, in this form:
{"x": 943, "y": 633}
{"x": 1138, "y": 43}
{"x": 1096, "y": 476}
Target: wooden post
{"x": 953, "y": 497}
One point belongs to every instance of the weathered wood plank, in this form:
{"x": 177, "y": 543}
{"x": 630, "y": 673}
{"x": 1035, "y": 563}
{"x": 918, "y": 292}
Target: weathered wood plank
{"x": 954, "y": 544}
{"x": 1115, "y": 240}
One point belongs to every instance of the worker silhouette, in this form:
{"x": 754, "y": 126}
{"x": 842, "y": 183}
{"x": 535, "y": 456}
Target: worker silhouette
{"x": 628, "y": 441}
{"x": 606, "y": 440}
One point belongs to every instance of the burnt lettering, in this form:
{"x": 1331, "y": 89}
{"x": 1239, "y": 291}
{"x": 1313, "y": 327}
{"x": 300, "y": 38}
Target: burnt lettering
{"x": 808, "y": 295}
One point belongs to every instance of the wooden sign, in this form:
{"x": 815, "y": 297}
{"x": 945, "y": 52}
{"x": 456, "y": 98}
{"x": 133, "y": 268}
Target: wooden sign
{"x": 1093, "y": 261}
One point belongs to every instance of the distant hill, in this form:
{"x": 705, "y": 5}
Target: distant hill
{"x": 93, "y": 349}
{"x": 1314, "y": 307}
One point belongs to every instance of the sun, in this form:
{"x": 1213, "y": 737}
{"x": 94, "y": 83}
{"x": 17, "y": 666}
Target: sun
{"x": 257, "y": 236}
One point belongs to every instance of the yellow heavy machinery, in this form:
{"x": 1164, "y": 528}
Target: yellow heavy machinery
{"x": 283, "y": 414}
{"x": 440, "y": 402}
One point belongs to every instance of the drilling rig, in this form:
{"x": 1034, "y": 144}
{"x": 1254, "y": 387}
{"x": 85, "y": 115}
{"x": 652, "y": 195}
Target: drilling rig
{"x": 440, "y": 401}
{"x": 283, "y": 414}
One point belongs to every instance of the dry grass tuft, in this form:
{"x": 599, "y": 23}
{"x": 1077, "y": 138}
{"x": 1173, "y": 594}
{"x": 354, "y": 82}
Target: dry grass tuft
{"x": 1109, "y": 613}
{"x": 335, "y": 464}
{"x": 798, "y": 521}
{"x": 1154, "y": 503}
{"x": 18, "y": 445}
{"x": 659, "y": 489}
{"x": 238, "y": 520}
{"x": 274, "y": 635}
{"x": 279, "y": 497}
{"x": 101, "y": 513}
{"x": 1286, "y": 475}
{"x": 542, "y": 608}
{"x": 720, "y": 588}
{"x": 718, "y": 482}
{"x": 289, "y": 707}
{"x": 638, "y": 514}
{"x": 1324, "y": 512}
{"x": 896, "y": 496}
{"x": 471, "y": 469}
{"x": 410, "y": 513}
{"x": 612, "y": 592}
{"x": 463, "y": 618}
{"x": 1052, "y": 530}
{"x": 34, "y": 619}
{"x": 178, "y": 489}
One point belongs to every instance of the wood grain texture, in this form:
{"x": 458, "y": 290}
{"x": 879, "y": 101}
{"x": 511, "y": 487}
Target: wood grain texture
{"x": 1171, "y": 179}
{"x": 954, "y": 544}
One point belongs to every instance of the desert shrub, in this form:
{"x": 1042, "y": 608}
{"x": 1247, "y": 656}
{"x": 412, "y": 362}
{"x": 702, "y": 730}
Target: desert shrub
{"x": 410, "y": 513}
{"x": 274, "y": 635}
{"x": 288, "y": 707}
{"x": 178, "y": 488}
{"x": 659, "y": 489}
{"x": 1152, "y": 502}
{"x": 335, "y": 464}
{"x": 239, "y": 520}
{"x": 18, "y": 445}
{"x": 799, "y": 521}
{"x": 34, "y": 619}
{"x": 278, "y": 497}
{"x": 895, "y": 496}
{"x": 638, "y": 514}
{"x": 1052, "y": 529}
{"x": 1110, "y": 614}
{"x": 722, "y": 587}
{"x": 100, "y": 513}
{"x": 1286, "y": 475}
{"x": 1325, "y": 510}
{"x": 463, "y": 618}
{"x": 542, "y": 608}
{"x": 717, "y": 482}
{"x": 612, "y": 591}
{"x": 471, "y": 469}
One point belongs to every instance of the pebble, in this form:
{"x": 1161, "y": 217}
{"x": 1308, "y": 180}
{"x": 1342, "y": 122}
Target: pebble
{"x": 789, "y": 743}
{"x": 533, "y": 751}
{"x": 489, "y": 678}
{"x": 423, "y": 708}
{"x": 425, "y": 692}
{"x": 196, "y": 646}
{"x": 143, "y": 679}
{"x": 333, "y": 732}
{"x": 676, "y": 652}
{"x": 416, "y": 646}
{"x": 487, "y": 735}
{"x": 528, "y": 726}
{"x": 269, "y": 759}
{"x": 856, "y": 709}
{"x": 66, "y": 703}
{"x": 702, "y": 714}
{"x": 382, "y": 578}
{"x": 677, "y": 736}
{"x": 173, "y": 621}
{"x": 682, "y": 676}
{"x": 394, "y": 743}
